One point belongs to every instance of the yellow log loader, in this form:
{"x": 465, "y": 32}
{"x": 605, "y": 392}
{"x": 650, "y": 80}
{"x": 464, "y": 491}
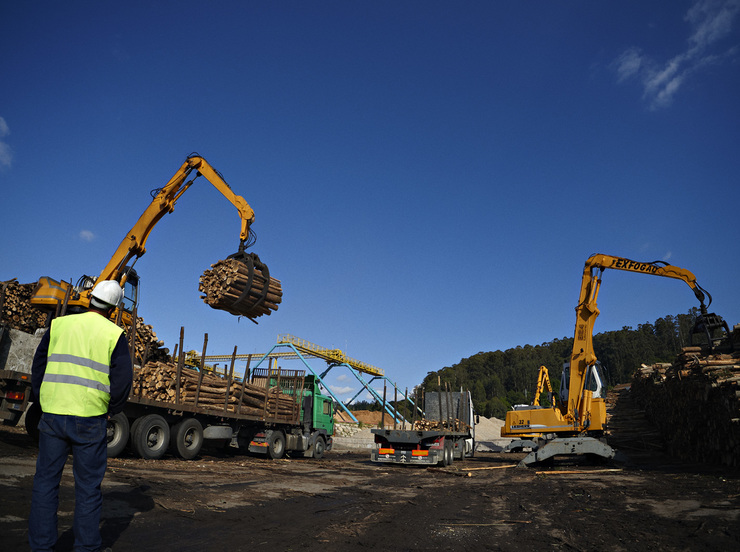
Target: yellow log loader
{"x": 576, "y": 422}
{"x": 59, "y": 297}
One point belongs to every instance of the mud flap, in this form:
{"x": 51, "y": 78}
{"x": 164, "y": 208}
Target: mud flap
{"x": 568, "y": 446}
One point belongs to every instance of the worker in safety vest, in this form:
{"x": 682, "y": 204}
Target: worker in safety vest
{"x": 81, "y": 376}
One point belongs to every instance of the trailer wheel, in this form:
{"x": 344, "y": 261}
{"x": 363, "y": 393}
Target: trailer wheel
{"x": 152, "y": 437}
{"x": 117, "y": 434}
{"x": 319, "y": 448}
{"x": 187, "y": 438}
{"x": 276, "y": 445}
{"x": 449, "y": 455}
{"x": 132, "y": 432}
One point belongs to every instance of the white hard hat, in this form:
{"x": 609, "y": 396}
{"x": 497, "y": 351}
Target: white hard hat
{"x": 106, "y": 294}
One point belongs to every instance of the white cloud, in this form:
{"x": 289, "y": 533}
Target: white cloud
{"x": 87, "y": 235}
{"x": 629, "y": 63}
{"x": 710, "y": 22}
{"x": 6, "y": 153}
{"x": 341, "y": 390}
{"x": 667, "y": 256}
{"x": 342, "y": 377}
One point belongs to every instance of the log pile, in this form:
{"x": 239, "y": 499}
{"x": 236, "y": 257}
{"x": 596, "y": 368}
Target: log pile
{"x": 17, "y": 312}
{"x": 440, "y": 425}
{"x": 15, "y": 307}
{"x": 231, "y": 285}
{"x": 695, "y": 402}
{"x": 146, "y": 345}
{"x": 629, "y": 429}
{"x": 158, "y": 381}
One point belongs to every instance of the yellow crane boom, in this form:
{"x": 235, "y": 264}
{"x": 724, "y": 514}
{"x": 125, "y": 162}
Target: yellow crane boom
{"x": 50, "y": 293}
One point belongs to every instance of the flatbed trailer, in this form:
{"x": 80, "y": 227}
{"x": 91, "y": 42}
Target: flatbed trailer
{"x": 397, "y": 446}
{"x": 445, "y": 434}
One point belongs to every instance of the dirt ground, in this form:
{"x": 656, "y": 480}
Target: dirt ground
{"x": 344, "y": 502}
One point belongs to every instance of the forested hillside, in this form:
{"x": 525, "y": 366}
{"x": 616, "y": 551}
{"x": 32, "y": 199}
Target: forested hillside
{"x": 500, "y": 379}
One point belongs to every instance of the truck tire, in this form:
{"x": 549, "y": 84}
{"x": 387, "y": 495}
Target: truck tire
{"x": 118, "y": 434}
{"x": 276, "y": 445}
{"x": 152, "y": 437}
{"x": 132, "y": 432}
{"x": 319, "y": 448}
{"x": 186, "y": 439}
{"x": 449, "y": 457}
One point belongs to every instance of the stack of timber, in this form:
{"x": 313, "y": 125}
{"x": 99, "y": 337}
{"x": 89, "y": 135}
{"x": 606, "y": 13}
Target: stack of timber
{"x": 695, "y": 402}
{"x": 229, "y": 286}
{"x": 158, "y": 381}
{"x": 17, "y": 312}
{"x": 146, "y": 345}
{"x": 15, "y": 307}
{"x": 440, "y": 425}
{"x": 629, "y": 429}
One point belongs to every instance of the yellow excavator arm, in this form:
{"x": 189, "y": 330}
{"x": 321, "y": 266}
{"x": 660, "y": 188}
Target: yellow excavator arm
{"x": 583, "y": 355}
{"x": 50, "y": 293}
{"x": 543, "y": 382}
{"x": 134, "y": 244}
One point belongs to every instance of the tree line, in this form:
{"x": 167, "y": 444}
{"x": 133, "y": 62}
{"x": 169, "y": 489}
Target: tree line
{"x": 498, "y": 380}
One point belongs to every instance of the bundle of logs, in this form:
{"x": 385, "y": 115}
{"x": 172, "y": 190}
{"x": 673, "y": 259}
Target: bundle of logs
{"x": 15, "y": 307}
{"x": 158, "y": 381}
{"x": 146, "y": 345}
{"x": 695, "y": 402}
{"x": 440, "y": 425}
{"x": 240, "y": 289}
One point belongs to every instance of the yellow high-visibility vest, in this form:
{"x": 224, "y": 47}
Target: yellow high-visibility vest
{"x": 77, "y": 377}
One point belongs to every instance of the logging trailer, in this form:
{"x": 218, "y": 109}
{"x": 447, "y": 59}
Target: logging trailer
{"x": 277, "y": 411}
{"x": 576, "y": 422}
{"x": 446, "y": 433}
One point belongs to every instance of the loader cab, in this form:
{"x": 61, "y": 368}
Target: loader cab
{"x": 130, "y": 290}
{"x": 595, "y": 381}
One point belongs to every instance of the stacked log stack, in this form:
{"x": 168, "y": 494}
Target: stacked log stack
{"x": 440, "y": 425}
{"x": 15, "y": 307}
{"x": 146, "y": 345}
{"x": 226, "y": 283}
{"x": 695, "y": 403}
{"x": 158, "y": 381}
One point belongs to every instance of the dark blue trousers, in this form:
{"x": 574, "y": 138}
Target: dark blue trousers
{"x": 86, "y": 439}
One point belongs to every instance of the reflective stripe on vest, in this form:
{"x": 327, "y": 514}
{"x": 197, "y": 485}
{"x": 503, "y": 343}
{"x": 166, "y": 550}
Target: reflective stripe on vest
{"x": 76, "y": 381}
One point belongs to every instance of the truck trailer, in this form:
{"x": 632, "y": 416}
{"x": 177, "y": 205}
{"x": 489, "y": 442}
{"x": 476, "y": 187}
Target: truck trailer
{"x": 16, "y": 354}
{"x": 272, "y": 412}
{"x": 446, "y": 433}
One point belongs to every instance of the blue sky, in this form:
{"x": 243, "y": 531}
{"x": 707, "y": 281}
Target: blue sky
{"x": 428, "y": 177}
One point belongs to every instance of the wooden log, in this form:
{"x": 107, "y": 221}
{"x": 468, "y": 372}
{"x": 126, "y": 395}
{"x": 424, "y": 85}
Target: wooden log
{"x": 16, "y": 310}
{"x": 225, "y": 288}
